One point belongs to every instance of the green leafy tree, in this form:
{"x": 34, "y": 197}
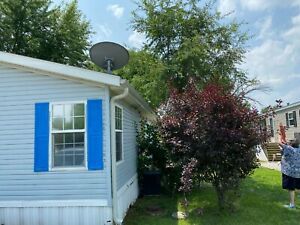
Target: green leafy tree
{"x": 36, "y": 28}
{"x": 72, "y": 33}
{"x": 192, "y": 39}
{"x": 144, "y": 72}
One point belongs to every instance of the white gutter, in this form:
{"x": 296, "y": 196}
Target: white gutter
{"x": 113, "y": 100}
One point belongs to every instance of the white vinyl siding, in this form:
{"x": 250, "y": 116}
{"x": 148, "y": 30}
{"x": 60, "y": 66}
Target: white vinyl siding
{"x": 282, "y": 116}
{"x": 128, "y": 168}
{"x": 19, "y": 91}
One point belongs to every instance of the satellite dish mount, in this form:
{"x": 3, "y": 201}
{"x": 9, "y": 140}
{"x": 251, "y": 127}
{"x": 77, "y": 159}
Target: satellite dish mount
{"x": 109, "y": 56}
{"x": 109, "y": 64}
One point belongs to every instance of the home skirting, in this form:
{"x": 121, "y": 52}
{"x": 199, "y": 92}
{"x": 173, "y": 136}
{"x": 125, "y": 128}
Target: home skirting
{"x": 127, "y": 195}
{"x": 79, "y": 212}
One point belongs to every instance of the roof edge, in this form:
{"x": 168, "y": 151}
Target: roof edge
{"x": 59, "y": 69}
{"x": 72, "y": 72}
{"x": 147, "y": 110}
{"x": 287, "y": 106}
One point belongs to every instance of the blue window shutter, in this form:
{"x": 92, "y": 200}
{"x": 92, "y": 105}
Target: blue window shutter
{"x": 94, "y": 134}
{"x": 41, "y": 137}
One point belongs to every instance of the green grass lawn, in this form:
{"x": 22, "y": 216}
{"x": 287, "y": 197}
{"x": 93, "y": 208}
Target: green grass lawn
{"x": 261, "y": 203}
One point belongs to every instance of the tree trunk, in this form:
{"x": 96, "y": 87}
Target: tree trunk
{"x": 221, "y": 196}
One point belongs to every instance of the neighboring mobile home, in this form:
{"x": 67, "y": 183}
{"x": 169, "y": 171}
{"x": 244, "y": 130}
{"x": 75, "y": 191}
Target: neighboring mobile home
{"x": 67, "y": 144}
{"x": 288, "y": 116}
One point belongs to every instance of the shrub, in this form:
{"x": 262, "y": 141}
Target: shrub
{"x": 154, "y": 156}
{"x": 211, "y": 134}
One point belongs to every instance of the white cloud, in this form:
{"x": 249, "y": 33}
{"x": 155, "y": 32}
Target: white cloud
{"x": 271, "y": 62}
{"x": 116, "y": 10}
{"x": 295, "y": 2}
{"x": 136, "y": 39}
{"x": 292, "y": 35}
{"x": 265, "y": 28}
{"x": 293, "y": 94}
{"x": 296, "y": 20}
{"x": 254, "y": 5}
{"x": 103, "y": 32}
{"x": 227, "y": 6}
{"x": 268, "y": 61}
{"x": 259, "y": 5}
{"x": 275, "y": 62}
{"x": 274, "y": 56}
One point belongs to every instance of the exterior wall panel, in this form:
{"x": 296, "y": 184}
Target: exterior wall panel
{"x": 128, "y": 167}
{"x": 19, "y": 91}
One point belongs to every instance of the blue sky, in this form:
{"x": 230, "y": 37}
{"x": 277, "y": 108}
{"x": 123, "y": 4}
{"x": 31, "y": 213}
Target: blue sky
{"x": 273, "y": 54}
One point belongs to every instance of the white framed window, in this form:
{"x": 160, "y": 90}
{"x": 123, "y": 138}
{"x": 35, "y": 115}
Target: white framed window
{"x": 119, "y": 133}
{"x": 68, "y": 135}
{"x": 291, "y": 118}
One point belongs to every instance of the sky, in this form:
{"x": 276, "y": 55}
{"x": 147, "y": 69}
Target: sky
{"x": 273, "y": 53}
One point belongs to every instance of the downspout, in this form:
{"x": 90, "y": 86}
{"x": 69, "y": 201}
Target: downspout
{"x": 113, "y": 155}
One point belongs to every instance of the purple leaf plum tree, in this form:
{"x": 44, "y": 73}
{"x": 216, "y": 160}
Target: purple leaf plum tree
{"x": 212, "y": 133}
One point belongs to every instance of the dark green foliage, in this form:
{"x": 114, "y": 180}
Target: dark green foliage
{"x": 185, "y": 39}
{"x": 145, "y": 73}
{"x": 72, "y": 34}
{"x": 192, "y": 39}
{"x": 38, "y": 29}
{"x": 25, "y": 26}
{"x": 153, "y": 156}
{"x": 152, "y": 153}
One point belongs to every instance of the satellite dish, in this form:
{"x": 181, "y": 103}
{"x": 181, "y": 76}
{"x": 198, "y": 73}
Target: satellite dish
{"x": 109, "y": 55}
